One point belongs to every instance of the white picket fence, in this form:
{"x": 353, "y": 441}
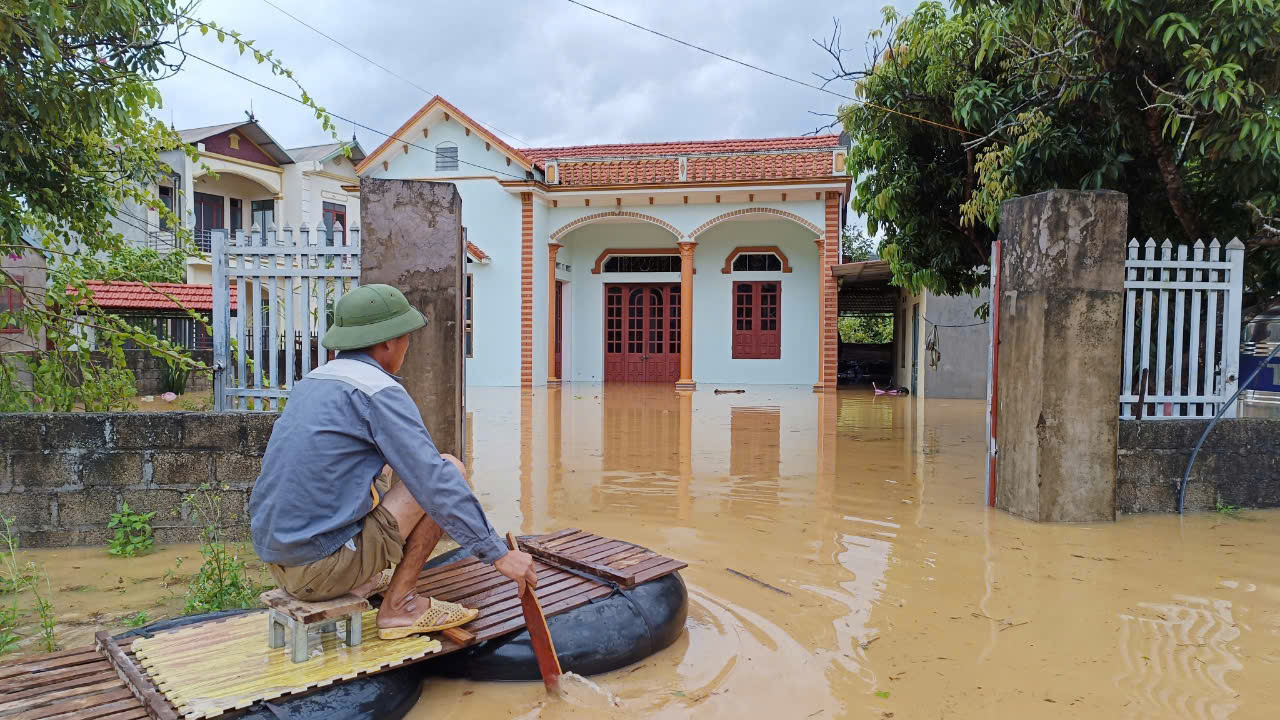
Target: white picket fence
{"x": 1182, "y": 327}
{"x": 285, "y": 284}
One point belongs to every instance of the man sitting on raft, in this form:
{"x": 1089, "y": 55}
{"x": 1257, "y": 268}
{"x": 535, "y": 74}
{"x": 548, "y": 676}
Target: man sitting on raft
{"x": 324, "y": 514}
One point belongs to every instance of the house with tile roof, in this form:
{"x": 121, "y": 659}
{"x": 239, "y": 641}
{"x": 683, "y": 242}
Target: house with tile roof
{"x": 164, "y": 309}
{"x": 242, "y": 177}
{"x": 670, "y": 262}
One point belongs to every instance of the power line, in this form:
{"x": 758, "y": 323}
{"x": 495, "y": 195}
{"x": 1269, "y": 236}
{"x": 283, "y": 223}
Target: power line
{"x": 285, "y": 95}
{"x": 378, "y": 65}
{"x": 757, "y": 68}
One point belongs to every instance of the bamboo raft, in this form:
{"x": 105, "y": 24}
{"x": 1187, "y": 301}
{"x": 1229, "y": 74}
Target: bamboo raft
{"x": 108, "y": 681}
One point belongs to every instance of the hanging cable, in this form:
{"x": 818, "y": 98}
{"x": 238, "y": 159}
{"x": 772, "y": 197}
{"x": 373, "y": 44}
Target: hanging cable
{"x": 287, "y": 96}
{"x": 379, "y": 65}
{"x": 780, "y": 76}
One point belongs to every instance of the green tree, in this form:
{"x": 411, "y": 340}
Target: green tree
{"x": 855, "y": 246}
{"x": 79, "y": 139}
{"x": 1176, "y": 104}
{"x": 866, "y": 329}
{"x": 126, "y": 263}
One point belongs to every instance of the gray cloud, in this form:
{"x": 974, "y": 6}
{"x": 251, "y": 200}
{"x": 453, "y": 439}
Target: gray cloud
{"x": 549, "y": 72}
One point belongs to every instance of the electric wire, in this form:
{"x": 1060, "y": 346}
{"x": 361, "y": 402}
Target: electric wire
{"x": 766, "y": 71}
{"x": 360, "y": 125}
{"x": 379, "y": 65}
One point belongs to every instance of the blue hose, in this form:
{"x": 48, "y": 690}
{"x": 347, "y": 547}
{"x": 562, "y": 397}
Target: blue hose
{"x": 1186, "y": 474}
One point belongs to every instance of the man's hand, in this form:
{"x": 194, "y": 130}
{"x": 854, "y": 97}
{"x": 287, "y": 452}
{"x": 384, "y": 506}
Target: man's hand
{"x": 518, "y": 566}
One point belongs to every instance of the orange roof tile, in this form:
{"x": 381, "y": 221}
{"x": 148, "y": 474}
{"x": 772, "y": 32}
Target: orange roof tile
{"x": 476, "y": 252}
{"x": 684, "y": 147}
{"x": 709, "y": 161}
{"x": 128, "y": 295}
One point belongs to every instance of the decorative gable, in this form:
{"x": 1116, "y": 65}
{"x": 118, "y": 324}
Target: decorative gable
{"x": 235, "y": 145}
{"x": 436, "y": 120}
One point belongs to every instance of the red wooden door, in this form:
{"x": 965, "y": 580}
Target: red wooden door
{"x": 559, "y": 327}
{"x": 642, "y": 333}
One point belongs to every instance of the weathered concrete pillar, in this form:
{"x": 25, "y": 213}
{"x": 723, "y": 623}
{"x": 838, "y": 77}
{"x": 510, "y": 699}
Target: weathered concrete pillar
{"x": 412, "y": 239}
{"x": 1061, "y": 343}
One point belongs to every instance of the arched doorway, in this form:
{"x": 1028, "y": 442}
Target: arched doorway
{"x": 642, "y": 332}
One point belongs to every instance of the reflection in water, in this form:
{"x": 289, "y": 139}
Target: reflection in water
{"x": 906, "y": 594}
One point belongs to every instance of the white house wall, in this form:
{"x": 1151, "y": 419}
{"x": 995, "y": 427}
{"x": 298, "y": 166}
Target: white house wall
{"x": 712, "y": 301}
{"x": 713, "y": 305}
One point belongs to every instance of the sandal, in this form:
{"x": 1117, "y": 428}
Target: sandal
{"x": 439, "y": 615}
{"x": 384, "y": 581}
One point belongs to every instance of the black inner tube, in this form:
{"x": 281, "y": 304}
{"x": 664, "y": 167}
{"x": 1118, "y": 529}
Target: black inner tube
{"x": 606, "y": 634}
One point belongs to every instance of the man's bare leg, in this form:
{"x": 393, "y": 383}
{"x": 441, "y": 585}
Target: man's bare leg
{"x": 400, "y": 604}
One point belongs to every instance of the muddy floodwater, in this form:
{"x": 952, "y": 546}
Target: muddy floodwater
{"x": 886, "y": 589}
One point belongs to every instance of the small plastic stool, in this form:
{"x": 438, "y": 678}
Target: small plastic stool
{"x": 289, "y": 620}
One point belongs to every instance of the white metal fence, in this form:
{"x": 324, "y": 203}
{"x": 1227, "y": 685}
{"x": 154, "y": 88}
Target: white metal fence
{"x": 285, "y": 284}
{"x": 1181, "y": 329}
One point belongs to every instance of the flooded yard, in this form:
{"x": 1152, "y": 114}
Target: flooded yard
{"x": 879, "y": 584}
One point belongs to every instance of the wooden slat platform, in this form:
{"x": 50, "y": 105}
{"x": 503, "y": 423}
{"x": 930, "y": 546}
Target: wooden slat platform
{"x": 81, "y": 684}
{"x": 616, "y": 560}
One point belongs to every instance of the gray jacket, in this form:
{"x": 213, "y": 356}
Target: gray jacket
{"x": 342, "y": 423}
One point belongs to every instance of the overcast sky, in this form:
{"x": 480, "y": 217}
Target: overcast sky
{"x": 549, "y": 72}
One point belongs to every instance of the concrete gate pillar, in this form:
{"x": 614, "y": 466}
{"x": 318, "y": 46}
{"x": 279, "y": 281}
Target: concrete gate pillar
{"x": 1061, "y": 344}
{"x": 412, "y": 239}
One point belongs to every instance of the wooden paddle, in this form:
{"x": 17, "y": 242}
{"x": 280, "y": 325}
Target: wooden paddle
{"x": 539, "y": 635}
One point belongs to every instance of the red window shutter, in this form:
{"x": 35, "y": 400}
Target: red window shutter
{"x": 769, "y": 342}
{"x": 757, "y": 320}
{"x": 744, "y": 320}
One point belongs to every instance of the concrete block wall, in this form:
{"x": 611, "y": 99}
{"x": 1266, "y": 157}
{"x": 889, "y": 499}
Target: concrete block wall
{"x": 62, "y": 475}
{"x": 150, "y": 371}
{"x": 1238, "y": 465}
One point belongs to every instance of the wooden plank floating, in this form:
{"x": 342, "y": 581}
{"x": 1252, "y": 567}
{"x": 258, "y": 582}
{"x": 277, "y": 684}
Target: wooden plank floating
{"x": 615, "y": 560}
{"x": 111, "y": 682}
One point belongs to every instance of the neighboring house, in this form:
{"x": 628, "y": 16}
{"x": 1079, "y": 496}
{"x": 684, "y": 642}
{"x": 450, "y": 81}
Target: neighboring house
{"x": 243, "y": 177}
{"x": 584, "y": 247}
{"x": 25, "y": 269}
{"x": 160, "y": 308}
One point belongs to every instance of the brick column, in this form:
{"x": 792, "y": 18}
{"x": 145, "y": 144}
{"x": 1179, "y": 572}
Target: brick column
{"x": 552, "y": 379}
{"x": 828, "y": 257}
{"x": 686, "y": 316}
{"x": 526, "y": 289}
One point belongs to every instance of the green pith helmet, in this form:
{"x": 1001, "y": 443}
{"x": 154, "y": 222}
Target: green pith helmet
{"x": 371, "y": 314}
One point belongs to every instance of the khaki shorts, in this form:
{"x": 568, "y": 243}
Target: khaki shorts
{"x": 379, "y": 545}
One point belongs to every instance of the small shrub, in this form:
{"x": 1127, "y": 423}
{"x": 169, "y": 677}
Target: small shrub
{"x": 223, "y": 581}
{"x": 175, "y": 376}
{"x": 133, "y": 532}
{"x": 1228, "y": 510}
{"x": 137, "y": 620}
{"x": 17, "y": 579}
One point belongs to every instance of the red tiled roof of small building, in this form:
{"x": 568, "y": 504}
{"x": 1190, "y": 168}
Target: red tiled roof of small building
{"x": 684, "y": 147}
{"x": 758, "y": 159}
{"x": 476, "y": 252}
{"x": 129, "y": 295}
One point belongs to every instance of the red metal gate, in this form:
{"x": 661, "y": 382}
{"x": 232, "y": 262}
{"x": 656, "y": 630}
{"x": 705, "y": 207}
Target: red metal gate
{"x": 642, "y": 333}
